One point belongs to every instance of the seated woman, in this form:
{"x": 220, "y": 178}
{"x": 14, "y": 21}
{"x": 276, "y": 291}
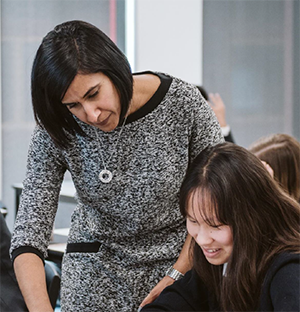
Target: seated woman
{"x": 246, "y": 238}
{"x": 282, "y": 153}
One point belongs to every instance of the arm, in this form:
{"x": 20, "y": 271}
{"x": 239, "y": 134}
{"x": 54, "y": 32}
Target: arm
{"x": 39, "y": 201}
{"x": 183, "y": 264}
{"x": 205, "y": 130}
{"x": 30, "y": 272}
{"x": 34, "y": 222}
{"x": 218, "y": 106}
{"x": 187, "y": 294}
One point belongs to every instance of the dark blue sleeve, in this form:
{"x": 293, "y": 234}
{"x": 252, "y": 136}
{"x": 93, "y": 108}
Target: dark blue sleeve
{"x": 285, "y": 288}
{"x": 229, "y": 137}
{"x": 187, "y": 294}
{"x": 171, "y": 299}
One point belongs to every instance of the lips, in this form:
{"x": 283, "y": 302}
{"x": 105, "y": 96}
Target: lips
{"x": 211, "y": 252}
{"x": 104, "y": 122}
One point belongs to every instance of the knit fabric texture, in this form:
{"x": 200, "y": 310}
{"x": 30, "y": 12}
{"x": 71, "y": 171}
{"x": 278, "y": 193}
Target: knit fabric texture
{"x": 135, "y": 217}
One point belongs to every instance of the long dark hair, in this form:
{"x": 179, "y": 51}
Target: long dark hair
{"x": 71, "y": 48}
{"x": 263, "y": 219}
{"x": 282, "y": 152}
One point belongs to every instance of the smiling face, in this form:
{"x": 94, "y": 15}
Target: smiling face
{"x": 93, "y": 99}
{"x": 215, "y": 239}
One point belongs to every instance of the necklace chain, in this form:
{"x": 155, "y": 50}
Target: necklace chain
{"x": 105, "y": 175}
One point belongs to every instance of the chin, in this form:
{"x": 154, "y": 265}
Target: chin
{"x": 217, "y": 261}
{"x": 108, "y": 128}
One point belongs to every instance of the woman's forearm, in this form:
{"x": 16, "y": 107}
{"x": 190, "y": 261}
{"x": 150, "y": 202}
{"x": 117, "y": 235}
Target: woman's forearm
{"x": 184, "y": 263}
{"x": 30, "y": 273}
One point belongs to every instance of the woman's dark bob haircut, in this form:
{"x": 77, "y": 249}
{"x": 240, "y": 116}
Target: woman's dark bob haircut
{"x": 71, "y": 48}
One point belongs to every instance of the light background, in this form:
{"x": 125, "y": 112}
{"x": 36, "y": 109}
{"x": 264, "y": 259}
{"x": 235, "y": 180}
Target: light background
{"x": 247, "y": 50}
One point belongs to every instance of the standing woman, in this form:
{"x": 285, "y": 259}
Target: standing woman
{"x": 246, "y": 238}
{"x": 127, "y": 140}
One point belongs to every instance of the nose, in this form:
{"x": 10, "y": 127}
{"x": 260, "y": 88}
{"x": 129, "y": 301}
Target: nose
{"x": 203, "y": 237}
{"x": 92, "y": 112}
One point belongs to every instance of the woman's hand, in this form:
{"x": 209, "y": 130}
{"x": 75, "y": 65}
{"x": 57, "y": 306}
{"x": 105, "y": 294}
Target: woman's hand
{"x": 155, "y": 292}
{"x": 218, "y": 106}
{"x": 182, "y": 264}
{"x": 269, "y": 168}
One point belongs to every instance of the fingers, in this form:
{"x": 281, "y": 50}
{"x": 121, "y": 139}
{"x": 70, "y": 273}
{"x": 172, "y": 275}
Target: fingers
{"x": 147, "y": 300}
{"x": 216, "y": 100}
{"x": 269, "y": 168}
{"x": 217, "y": 105}
{"x": 155, "y": 292}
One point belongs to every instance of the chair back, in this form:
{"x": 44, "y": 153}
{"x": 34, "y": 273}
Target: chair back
{"x": 52, "y": 281}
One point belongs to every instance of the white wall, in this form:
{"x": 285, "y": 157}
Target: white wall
{"x": 169, "y": 37}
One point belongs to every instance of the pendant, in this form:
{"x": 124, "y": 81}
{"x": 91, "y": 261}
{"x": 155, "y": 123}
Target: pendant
{"x": 105, "y": 176}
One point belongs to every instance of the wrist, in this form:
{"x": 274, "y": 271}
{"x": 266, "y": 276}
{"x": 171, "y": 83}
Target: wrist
{"x": 174, "y": 274}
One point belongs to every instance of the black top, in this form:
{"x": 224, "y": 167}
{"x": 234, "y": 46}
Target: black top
{"x": 280, "y": 290}
{"x": 10, "y": 295}
{"x": 229, "y": 137}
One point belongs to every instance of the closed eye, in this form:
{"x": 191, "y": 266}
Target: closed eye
{"x": 90, "y": 96}
{"x": 71, "y": 105}
{"x": 192, "y": 220}
{"x": 216, "y": 226}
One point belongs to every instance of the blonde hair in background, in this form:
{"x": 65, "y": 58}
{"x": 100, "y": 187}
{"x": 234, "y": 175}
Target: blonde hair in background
{"x": 282, "y": 153}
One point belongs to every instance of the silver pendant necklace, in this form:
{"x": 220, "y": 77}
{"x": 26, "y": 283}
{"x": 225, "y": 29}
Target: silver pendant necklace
{"x": 106, "y": 175}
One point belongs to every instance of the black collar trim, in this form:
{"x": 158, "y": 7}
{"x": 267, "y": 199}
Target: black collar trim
{"x": 155, "y": 100}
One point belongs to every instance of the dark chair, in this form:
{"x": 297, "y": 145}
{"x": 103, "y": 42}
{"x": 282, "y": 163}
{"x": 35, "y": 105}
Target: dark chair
{"x": 52, "y": 281}
{"x": 3, "y": 209}
{"x": 11, "y": 298}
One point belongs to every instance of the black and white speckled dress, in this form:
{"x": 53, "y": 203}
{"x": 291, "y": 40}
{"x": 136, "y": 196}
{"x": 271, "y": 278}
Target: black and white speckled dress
{"x": 135, "y": 217}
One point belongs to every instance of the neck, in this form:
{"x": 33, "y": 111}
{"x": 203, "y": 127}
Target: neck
{"x": 144, "y": 86}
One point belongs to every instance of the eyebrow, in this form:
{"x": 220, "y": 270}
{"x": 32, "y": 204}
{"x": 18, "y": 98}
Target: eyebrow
{"x": 90, "y": 90}
{"x": 189, "y": 216}
{"x": 207, "y": 221}
{"x": 86, "y": 93}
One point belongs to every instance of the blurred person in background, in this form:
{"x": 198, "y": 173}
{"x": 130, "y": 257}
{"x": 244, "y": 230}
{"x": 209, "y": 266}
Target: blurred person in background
{"x": 216, "y": 103}
{"x": 282, "y": 153}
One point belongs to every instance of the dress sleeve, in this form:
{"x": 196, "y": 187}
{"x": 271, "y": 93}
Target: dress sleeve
{"x": 285, "y": 288}
{"x": 206, "y": 129}
{"x": 39, "y": 198}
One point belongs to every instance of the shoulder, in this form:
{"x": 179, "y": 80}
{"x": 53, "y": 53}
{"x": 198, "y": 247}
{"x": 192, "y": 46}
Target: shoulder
{"x": 42, "y": 145}
{"x": 182, "y": 89}
{"x": 186, "y": 98}
{"x": 285, "y": 269}
{"x": 282, "y": 260}
{"x": 40, "y": 140}
{"x": 281, "y": 286}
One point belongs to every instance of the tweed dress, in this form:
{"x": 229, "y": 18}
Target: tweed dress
{"x": 135, "y": 219}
